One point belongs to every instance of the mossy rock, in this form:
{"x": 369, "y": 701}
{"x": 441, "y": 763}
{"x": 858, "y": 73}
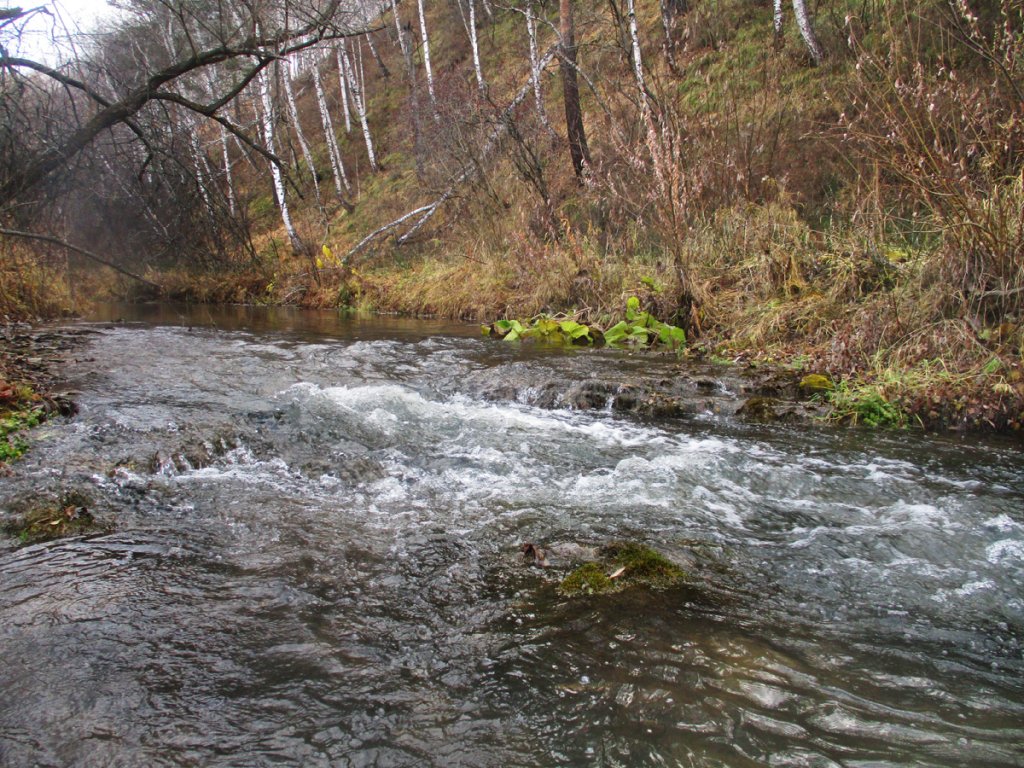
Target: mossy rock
{"x": 761, "y": 409}
{"x": 815, "y": 383}
{"x": 588, "y": 579}
{"x": 622, "y": 566}
{"x": 70, "y": 516}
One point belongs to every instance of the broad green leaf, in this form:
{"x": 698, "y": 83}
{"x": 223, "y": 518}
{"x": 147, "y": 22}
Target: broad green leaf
{"x": 617, "y": 332}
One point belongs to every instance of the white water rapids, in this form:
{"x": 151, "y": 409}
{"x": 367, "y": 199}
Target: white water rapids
{"x": 314, "y": 561}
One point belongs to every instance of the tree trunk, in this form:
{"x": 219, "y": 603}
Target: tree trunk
{"x": 807, "y": 31}
{"x": 426, "y": 56}
{"x": 342, "y": 82}
{"x": 293, "y": 112}
{"x": 474, "y": 44}
{"x": 670, "y": 9}
{"x": 360, "y": 105}
{"x": 645, "y": 102}
{"x": 414, "y": 88}
{"x": 538, "y": 97}
{"x": 575, "y": 133}
{"x": 229, "y": 183}
{"x": 777, "y": 21}
{"x": 337, "y": 167}
{"x": 201, "y": 164}
{"x": 376, "y": 57}
{"x": 275, "y": 172}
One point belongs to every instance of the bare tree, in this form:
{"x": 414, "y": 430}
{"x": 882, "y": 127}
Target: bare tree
{"x": 803, "y": 22}
{"x": 95, "y": 110}
{"x": 300, "y": 135}
{"x": 337, "y": 166}
{"x": 358, "y": 100}
{"x": 426, "y": 55}
{"x": 275, "y": 168}
{"x": 578, "y": 150}
{"x": 531, "y": 32}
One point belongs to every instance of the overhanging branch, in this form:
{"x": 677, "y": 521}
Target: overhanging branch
{"x": 77, "y": 249}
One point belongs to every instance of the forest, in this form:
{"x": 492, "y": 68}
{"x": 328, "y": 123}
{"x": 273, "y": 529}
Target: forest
{"x": 833, "y": 186}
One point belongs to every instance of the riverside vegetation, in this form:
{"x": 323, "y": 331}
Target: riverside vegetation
{"x": 849, "y": 205}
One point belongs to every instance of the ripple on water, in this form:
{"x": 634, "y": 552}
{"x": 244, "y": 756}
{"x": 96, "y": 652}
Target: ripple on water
{"x": 317, "y": 564}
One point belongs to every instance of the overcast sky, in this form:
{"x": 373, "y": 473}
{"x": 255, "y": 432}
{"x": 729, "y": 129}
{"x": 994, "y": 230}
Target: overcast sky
{"x": 45, "y": 34}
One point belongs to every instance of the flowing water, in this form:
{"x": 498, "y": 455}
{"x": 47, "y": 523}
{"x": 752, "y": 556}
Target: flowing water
{"x": 315, "y": 561}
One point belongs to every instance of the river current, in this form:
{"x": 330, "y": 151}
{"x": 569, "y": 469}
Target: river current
{"x": 314, "y": 561}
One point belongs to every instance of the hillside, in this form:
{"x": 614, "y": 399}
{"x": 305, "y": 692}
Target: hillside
{"x": 860, "y": 217}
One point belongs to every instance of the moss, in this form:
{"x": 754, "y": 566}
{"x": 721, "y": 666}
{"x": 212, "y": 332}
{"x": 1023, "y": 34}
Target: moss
{"x": 588, "y": 579}
{"x": 20, "y": 410}
{"x": 644, "y": 565}
{"x": 70, "y": 516}
{"x": 622, "y": 566}
{"x": 815, "y": 383}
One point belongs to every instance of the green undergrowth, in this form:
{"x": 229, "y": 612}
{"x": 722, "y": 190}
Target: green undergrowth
{"x": 638, "y": 329}
{"x": 622, "y": 566}
{"x": 20, "y": 410}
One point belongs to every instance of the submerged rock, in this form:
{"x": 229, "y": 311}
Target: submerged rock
{"x": 621, "y": 566}
{"x": 68, "y": 516}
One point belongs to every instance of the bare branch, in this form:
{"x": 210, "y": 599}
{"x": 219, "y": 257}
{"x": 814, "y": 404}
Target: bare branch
{"x": 88, "y": 254}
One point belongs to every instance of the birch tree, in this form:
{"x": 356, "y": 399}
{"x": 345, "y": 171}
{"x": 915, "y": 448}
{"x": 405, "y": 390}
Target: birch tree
{"x": 337, "y": 166}
{"x": 803, "y": 22}
{"x": 538, "y": 96}
{"x": 376, "y": 56}
{"x": 481, "y": 84}
{"x": 293, "y": 112}
{"x": 267, "y": 119}
{"x": 646, "y": 115}
{"x": 426, "y": 55}
{"x": 343, "y": 87}
{"x": 405, "y": 46}
{"x": 358, "y": 100}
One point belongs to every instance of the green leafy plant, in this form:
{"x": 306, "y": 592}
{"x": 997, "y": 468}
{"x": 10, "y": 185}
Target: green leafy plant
{"x": 19, "y": 411}
{"x": 864, "y": 404}
{"x": 641, "y": 328}
{"x": 543, "y": 327}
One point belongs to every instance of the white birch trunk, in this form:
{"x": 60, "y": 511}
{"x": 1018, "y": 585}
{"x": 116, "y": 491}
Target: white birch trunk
{"x": 645, "y": 104}
{"x": 376, "y": 56}
{"x": 360, "y": 105}
{"x": 807, "y": 31}
{"x": 275, "y": 172}
{"x": 338, "y": 168}
{"x": 229, "y": 184}
{"x": 426, "y": 55}
{"x": 538, "y": 97}
{"x": 777, "y": 18}
{"x": 342, "y": 81}
{"x": 403, "y": 44}
{"x": 474, "y": 44}
{"x": 293, "y": 112}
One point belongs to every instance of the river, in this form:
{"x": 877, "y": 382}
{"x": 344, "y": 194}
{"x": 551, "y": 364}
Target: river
{"x": 315, "y": 561}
